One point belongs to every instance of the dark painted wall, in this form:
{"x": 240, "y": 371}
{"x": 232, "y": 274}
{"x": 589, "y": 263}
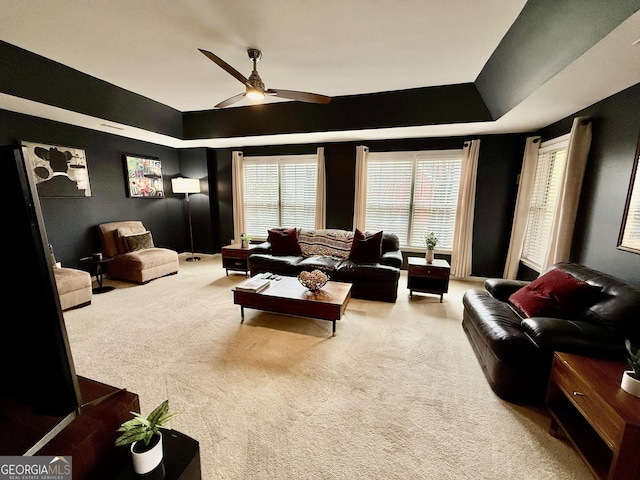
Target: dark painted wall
{"x": 447, "y": 104}
{"x": 193, "y": 164}
{"x": 27, "y": 75}
{"x": 498, "y": 166}
{"x": 71, "y": 222}
{"x": 616, "y": 127}
{"x": 546, "y": 37}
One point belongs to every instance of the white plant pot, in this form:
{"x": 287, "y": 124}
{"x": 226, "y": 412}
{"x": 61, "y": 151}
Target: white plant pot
{"x": 429, "y": 256}
{"x": 146, "y": 461}
{"x": 630, "y": 384}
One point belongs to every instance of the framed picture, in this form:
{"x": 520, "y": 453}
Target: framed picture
{"x": 144, "y": 176}
{"x": 629, "y": 238}
{"x": 58, "y": 171}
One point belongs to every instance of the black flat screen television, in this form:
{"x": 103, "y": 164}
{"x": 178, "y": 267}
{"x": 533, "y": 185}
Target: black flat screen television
{"x": 39, "y": 392}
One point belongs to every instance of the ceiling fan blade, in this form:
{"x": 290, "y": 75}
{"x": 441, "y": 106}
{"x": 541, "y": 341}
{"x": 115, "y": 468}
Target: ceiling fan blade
{"x": 300, "y": 96}
{"x": 229, "y": 101}
{"x": 225, "y": 66}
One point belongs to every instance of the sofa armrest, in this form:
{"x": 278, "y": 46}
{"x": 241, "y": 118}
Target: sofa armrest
{"x": 572, "y": 336}
{"x": 264, "y": 247}
{"x": 392, "y": 258}
{"x": 501, "y": 288}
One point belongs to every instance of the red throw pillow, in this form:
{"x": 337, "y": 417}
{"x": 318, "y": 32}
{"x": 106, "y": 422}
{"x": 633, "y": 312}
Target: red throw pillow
{"x": 284, "y": 242}
{"x": 555, "y": 294}
{"x": 366, "y": 247}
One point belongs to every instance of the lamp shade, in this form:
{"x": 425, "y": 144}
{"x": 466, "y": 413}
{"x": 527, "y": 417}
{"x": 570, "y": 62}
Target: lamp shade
{"x": 185, "y": 185}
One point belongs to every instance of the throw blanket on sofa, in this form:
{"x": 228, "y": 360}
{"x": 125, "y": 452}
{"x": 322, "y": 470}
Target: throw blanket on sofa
{"x": 327, "y": 242}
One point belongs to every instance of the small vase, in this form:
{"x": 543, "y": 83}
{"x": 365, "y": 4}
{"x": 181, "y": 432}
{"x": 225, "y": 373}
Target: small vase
{"x": 630, "y": 384}
{"x": 144, "y": 462}
{"x": 429, "y": 256}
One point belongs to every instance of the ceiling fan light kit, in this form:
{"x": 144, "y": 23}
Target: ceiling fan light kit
{"x": 254, "y": 86}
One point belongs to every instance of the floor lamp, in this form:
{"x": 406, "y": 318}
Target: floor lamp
{"x": 187, "y": 186}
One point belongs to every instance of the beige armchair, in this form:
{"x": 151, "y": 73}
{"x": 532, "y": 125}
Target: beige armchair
{"x": 135, "y": 258}
{"x": 74, "y": 287}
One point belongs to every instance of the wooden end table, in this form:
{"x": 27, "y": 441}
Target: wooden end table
{"x": 288, "y": 297}
{"x": 428, "y": 277}
{"x": 601, "y": 420}
{"x": 236, "y": 257}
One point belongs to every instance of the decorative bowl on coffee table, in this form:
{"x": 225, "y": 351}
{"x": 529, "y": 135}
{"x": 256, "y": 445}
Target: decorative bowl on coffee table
{"x": 314, "y": 280}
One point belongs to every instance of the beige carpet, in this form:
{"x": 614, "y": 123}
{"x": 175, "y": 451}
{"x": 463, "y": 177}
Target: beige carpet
{"x": 397, "y": 394}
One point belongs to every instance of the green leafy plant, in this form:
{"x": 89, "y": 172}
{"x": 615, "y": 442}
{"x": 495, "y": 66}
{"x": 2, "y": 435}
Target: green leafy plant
{"x": 633, "y": 359}
{"x": 431, "y": 241}
{"x": 143, "y": 429}
{"x": 245, "y": 238}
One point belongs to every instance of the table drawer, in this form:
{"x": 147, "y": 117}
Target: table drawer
{"x": 235, "y": 253}
{"x": 428, "y": 271}
{"x": 594, "y": 409}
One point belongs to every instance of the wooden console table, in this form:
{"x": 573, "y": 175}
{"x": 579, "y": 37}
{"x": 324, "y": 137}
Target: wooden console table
{"x": 601, "y": 420}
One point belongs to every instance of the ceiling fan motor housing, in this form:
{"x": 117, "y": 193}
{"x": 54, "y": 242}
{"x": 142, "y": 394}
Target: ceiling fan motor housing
{"x": 254, "y": 79}
{"x": 254, "y": 54}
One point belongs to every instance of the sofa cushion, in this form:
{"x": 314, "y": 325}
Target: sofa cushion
{"x": 328, "y": 242}
{"x": 124, "y": 231}
{"x": 554, "y": 294}
{"x": 138, "y": 241}
{"x": 350, "y": 271}
{"x": 70, "y": 279}
{"x": 319, "y": 262}
{"x": 366, "y": 247}
{"x": 284, "y": 242}
{"x": 280, "y": 264}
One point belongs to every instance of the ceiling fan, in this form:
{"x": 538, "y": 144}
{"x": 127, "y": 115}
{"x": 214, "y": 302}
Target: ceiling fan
{"x": 254, "y": 85}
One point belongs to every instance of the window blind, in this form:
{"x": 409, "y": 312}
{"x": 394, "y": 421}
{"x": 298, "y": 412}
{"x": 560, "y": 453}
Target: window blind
{"x": 552, "y": 157}
{"x": 414, "y": 193}
{"x": 279, "y": 191}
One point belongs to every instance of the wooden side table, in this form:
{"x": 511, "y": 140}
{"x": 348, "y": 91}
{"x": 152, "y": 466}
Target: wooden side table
{"x": 236, "y": 257}
{"x": 601, "y": 420}
{"x": 428, "y": 277}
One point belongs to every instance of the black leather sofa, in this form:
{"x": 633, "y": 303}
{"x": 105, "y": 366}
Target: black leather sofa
{"x": 370, "y": 280}
{"x": 515, "y": 352}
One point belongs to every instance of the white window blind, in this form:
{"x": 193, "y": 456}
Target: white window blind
{"x": 279, "y": 191}
{"x": 552, "y": 157}
{"x": 414, "y": 193}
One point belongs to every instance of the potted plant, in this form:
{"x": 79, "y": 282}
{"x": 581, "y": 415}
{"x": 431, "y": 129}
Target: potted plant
{"x": 145, "y": 437}
{"x": 245, "y": 239}
{"x": 431, "y": 241}
{"x": 630, "y": 382}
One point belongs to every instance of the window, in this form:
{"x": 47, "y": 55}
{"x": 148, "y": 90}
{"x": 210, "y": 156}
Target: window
{"x": 279, "y": 191}
{"x": 414, "y": 193}
{"x": 552, "y": 157}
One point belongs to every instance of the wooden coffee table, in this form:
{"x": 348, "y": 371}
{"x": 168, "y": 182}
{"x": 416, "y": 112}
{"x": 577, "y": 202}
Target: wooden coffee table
{"x": 288, "y": 297}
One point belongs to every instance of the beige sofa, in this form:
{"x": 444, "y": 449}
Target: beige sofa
{"x": 135, "y": 257}
{"x": 74, "y": 287}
